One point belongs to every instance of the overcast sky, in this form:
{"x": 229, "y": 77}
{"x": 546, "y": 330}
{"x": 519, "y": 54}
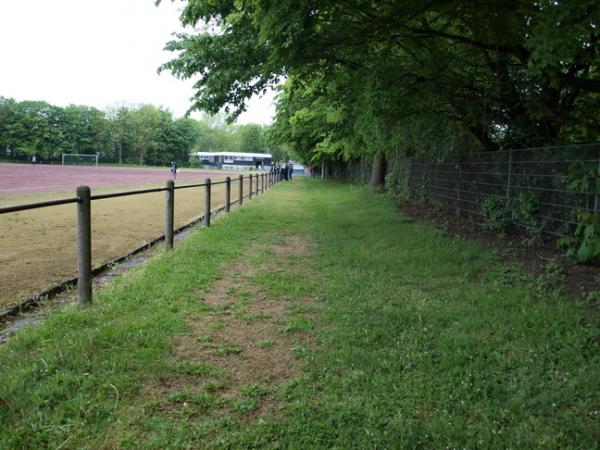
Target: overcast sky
{"x": 96, "y": 52}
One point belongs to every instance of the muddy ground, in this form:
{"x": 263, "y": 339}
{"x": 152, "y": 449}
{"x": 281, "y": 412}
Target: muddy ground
{"x": 541, "y": 259}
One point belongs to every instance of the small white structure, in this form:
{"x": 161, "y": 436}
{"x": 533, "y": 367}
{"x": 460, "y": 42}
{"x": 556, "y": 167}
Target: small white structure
{"x": 235, "y": 160}
{"x": 299, "y": 169}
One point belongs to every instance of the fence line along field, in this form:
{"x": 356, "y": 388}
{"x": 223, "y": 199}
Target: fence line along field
{"x": 38, "y": 247}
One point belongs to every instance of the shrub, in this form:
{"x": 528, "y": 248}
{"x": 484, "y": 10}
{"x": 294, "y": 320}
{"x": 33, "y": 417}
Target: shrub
{"x": 195, "y": 163}
{"x": 525, "y": 211}
{"x": 584, "y": 245}
{"x": 496, "y": 215}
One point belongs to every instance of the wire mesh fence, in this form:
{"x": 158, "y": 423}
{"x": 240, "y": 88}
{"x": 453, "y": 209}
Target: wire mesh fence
{"x": 539, "y": 189}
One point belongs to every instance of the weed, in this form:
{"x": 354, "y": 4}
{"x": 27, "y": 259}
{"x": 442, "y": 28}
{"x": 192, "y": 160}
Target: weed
{"x": 189, "y": 368}
{"x": 496, "y": 215}
{"x": 204, "y": 339}
{"x": 251, "y": 397}
{"x": 264, "y": 343}
{"x": 228, "y": 349}
{"x": 548, "y": 283}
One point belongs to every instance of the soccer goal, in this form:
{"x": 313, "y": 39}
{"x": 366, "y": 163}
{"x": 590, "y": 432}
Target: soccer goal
{"x": 80, "y": 159}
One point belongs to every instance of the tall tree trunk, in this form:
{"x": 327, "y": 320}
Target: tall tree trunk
{"x": 378, "y": 170}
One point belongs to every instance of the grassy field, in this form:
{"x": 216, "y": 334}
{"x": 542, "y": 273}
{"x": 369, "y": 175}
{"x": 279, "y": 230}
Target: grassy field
{"x": 315, "y": 317}
{"x": 38, "y": 247}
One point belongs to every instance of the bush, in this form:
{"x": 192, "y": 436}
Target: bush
{"x": 584, "y": 245}
{"x": 195, "y": 163}
{"x": 496, "y": 215}
{"x": 525, "y": 212}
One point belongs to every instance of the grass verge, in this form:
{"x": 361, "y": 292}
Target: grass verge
{"x": 400, "y": 337}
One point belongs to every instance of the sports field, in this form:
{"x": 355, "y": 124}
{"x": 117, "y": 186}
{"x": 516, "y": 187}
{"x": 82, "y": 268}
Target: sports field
{"x": 17, "y": 180}
{"x": 38, "y": 247}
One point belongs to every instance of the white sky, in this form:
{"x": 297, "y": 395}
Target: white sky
{"x": 97, "y": 53}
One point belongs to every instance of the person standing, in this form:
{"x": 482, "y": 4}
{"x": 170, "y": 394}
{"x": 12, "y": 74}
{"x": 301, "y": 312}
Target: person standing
{"x": 33, "y": 160}
{"x": 284, "y": 171}
{"x": 290, "y": 169}
{"x": 174, "y": 169}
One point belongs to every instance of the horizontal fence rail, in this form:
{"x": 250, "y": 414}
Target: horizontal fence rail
{"x": 538, "y": 189}
{"x": 257, "y": 184}
{"x": 27, "y": 206}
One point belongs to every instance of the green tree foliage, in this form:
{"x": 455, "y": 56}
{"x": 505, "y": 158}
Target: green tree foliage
{"x": 142, "y": 134}
{"x": 365, "y": 78}
{"x": 249, "y": 138}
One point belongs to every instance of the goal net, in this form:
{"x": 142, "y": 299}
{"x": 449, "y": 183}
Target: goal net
{"x": 79, "y": 159}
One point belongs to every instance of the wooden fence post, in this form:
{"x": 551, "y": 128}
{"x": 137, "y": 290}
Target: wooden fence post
{"x": 250, "y": 188}
{"x": 84, "y": 245}
{"x": 207, "y": 189}
{"x": 227, "y": 194}
{"x": 169, "y": 214}
{"x": 241, "y": 190}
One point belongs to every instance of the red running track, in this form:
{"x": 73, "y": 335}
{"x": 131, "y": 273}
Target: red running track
{"x": 24, "y": 179}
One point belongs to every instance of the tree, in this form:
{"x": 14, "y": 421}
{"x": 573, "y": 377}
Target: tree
{"x": 249, "y": 138}
{"x": 370, "y": 78}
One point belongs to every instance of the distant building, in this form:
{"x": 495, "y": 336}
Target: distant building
{"x": 299, "y": 169}
{"x": 235, "y": 160}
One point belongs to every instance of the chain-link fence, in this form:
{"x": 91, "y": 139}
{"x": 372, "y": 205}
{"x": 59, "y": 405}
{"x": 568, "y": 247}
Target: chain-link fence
{"x": 542, "y": 190}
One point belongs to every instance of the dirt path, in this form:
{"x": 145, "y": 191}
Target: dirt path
{"x": 242, "y": 351}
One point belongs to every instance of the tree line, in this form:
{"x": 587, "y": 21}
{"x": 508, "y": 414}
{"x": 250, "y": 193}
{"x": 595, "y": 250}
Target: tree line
{"x": 361, "y": 79}
{"x": 137, "y": 134}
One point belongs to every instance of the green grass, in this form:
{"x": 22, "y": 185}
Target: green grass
{"x": 419, "y": 340}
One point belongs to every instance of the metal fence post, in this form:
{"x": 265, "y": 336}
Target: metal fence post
{"x": 262, "y": 182}
{"x": 169, "y": 214}
{"x": 227, "y": 194}
{"x": 509, "y": 178}
{"x": 597, "y": 196}
{"x": 241, "y": 190}
{"x": 257, "y": 185}
{"x": 250, "y": 188}
{"x": 84, "y": 245}
{"x": 207, "y": 189}
{"x": 459, "y": 181}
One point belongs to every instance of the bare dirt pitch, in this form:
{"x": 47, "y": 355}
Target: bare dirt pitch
{"x": 38, "y": 247}
{"x": 22, "y": 179}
